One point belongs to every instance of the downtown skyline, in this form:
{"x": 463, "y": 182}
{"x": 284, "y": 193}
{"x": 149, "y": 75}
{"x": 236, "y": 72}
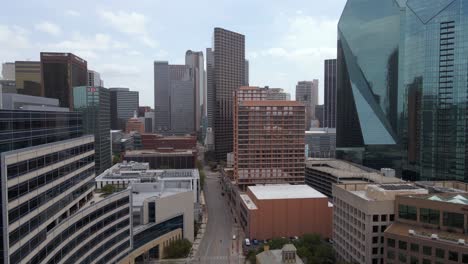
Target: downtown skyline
{"x": 121, "y": 42}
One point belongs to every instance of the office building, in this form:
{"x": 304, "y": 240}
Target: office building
{"x": 174, "y": 91}
{"x": 246, "y": 74}
{"x": 13, "y": 101}
{"x": 60, "y": 73}
{"x": 260, "y": 127}
{"x": 142, "y": 110}
{"x": 149, "y": 121}
{"x": 122, "y": 174}
{"x": 94, "y": 105}
{"x": 307, "y": 93}
{"x": 121, "y": 142}
{"x": 428, "y": 228}
{"x": 94, "y": 79}
{"x": 124, "y": 103}
{"x": 229, "y": 75}
{"x": 8, "y": 86}
{"x": 28, "y": 77}
{"x": 196, "y": 61}
{"x": 283, "y": 210}
{"x": 165, "y": 158}
{"x": 320, "y": 115}
{"x": 277, "y": 94}
{"x": 157, "y": 141}
{"x": 321, "y": 174}
{"x": 210, "y": 88}
{"x": 8, "y": 71}
{"x": 321, "y": 142}
{"x": 361, "y": 214}
{"x": 414, "y": 112}
{"x": 134, "y": 124}
{"x": 329, "y": 82}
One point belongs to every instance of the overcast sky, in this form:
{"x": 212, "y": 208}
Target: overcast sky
{"x": 286, "y": 41}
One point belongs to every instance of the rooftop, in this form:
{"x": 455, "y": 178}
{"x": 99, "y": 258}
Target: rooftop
{"x": 456, "y": 198}
{"x": 284, "y": 191}
{"x": 248, "y": 202}
{"x": 422, "y": 233}
{"x": 271, "y": 103}
{"x": 143, "y": 191}
{"x": 382, "y": 192}
{"x": 276, "y": 257}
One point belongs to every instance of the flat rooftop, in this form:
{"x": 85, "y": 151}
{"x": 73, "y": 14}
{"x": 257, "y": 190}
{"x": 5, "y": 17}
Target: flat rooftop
{"x": 382, "y": 192}
{"x": 422, "y": 233}
{"x": 248, "y": 202}
{"x": 165, "y": 152}
{"x": 285, "y": 191}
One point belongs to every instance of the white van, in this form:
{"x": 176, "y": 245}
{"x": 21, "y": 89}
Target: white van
{"x": 247, "y": 242}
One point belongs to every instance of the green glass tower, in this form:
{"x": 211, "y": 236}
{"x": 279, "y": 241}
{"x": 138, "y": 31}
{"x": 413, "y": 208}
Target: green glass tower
{"x": 94, "y": 105}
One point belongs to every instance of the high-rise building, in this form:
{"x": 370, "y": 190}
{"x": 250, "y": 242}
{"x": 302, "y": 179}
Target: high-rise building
{"x": 361, "y": 214}
{"x": 195, "y": 60}
{"x": 320, "y": 142}
{"x": 393, "y": 110}
{"x": 94, "y": 79}
{"x": 60, "y": 73}
{"x": 28, "y": 77}
{"x": 268, "y": 139}
{"x": 174, "y": 98}
{"x": 320, "y": 115}
{"x": 210, "y": 89}
{"x": 124, "y": 103}
{"x": 307, "y": 93}
{"x": 229, "y": 75}
{"x": 329, "y": 82}
{"x": 246, "y": 74}
{"x": 8, "y": 71}
{"x": 94, "y": 105}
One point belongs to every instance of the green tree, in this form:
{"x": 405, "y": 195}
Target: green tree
{"x": 202, "y": 178}
{"x": 278, "y": 243}
{"x": 108, "y": 189}
{"x": 178, "y": 249}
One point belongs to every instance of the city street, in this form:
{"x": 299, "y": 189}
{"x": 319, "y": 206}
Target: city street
{"x": 217, "y": 243}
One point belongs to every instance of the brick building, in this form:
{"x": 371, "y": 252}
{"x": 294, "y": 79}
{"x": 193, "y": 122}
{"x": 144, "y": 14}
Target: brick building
{"x": 157, "y": 141}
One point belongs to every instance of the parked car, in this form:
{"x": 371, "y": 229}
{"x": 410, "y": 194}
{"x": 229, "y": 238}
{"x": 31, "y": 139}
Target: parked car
{"x": 233, "y": 237}
{"x": 255, "y": 242}
{"x": 247, "y": 242}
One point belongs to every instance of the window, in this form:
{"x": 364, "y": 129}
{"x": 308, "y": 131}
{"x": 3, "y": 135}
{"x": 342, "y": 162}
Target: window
{"x": 392, "y": 217}
{"x": 383, "y": 217}
{"x": 407, "y": 212}
{"x": 440, "y": 253}
{"x": 402, "y": 245}
{"x": 375, "y": 218}
{"x": 152, "y": 212}
{"x": 375, "y": 240}
{"x": 453, "y": 220}
{"x": 375, "y": 251}
{"x": 429, "y": 216}
{"x": 390, "y": 254}
{"x": 375, "y": 229}
{"x": 414, "y": 247}
{"x": 390, "y": 242}
{"x": 426, "y": 261}
{"x": 453, "y": 256}
{"x": 402, "y": 257}
{"x": 414, "y": 260}
{"x": 382, "y": 228}
{"x": 427, "y": 251}
{"x": 465, "y": 258}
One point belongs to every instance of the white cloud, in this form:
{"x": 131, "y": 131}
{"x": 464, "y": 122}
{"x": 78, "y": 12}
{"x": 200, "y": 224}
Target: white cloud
{"x": 87, "y": 47}
{"x": 130, "y": 23}
{"x": 49, "y": 28}
{"x": 13, "y": 37}
{"x": 133, "y": 53}
{"x": 117, "y": 70}
{"x": 73, "y": 13}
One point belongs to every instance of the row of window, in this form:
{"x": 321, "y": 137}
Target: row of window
{"x": 431, "y": 216}
{"x": 32, "y": 244}
{"x": 23, "y": 167}
{"x": 158, "y": 230}
{"x": 12, "y": 141}
{"x": 50, "y": 213}
{"x": 22, "y": 189}
{"x": 36, "y": 202}
{"x": 98, "y": 252}
{"x": 118, "y": 250}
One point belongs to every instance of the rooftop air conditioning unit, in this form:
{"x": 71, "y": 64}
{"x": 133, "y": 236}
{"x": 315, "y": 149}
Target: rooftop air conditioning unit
{"x": 411, "y": 232}
{"x": 434, "y": 237}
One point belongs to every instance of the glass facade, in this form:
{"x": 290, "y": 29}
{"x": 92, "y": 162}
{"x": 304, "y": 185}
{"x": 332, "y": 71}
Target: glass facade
{"x": 94, "y": 105}
{"x": 402, "y": 86}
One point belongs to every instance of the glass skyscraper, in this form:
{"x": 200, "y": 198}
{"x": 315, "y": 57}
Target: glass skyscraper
{"x": 402, "y": 86}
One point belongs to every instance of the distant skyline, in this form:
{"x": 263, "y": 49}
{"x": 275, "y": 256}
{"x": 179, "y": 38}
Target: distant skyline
{"x": 286, "y": 42}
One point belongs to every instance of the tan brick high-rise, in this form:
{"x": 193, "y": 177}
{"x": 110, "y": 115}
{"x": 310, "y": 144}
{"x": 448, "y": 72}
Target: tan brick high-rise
{"x": 268, "y": 139}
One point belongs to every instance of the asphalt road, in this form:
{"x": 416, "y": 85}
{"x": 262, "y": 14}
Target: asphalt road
{"x": 217, "y": 243}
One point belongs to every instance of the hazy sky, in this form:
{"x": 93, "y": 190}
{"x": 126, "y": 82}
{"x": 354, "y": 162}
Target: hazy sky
{"x": 286, "y": 41}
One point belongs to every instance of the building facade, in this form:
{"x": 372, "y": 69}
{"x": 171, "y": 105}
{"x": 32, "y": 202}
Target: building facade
{"x": 320, "y": 115}
{"x": 196, "y": 61}
{"x": 361, "y": 214}
{"x": 8, "y": 71}
{"x": 157, "y": 141}
{"x": 210, "y": 88}
{"x": 329, "y": 82}
{"x": 277, "y": 94}
{"x": 13, "y": 101}
{"x": 229, "y": 75}
{"x": 28, "y": 77}
{"x": 60, "y": 73}
{"x": 307, "y": 93}
{"x": 124, "y": 103}
{"x": 94, "y": 105}
{"x": 320, "y": 143}
{"x": 268, "y": 139}
{"x": 170, "y": 159}
{"x": 94, "y": 79}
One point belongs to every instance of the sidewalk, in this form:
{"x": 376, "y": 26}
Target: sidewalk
{"x": 201, "y": 231}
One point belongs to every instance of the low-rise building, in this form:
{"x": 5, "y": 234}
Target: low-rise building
{"x": 361, "y": 214}
{"x": 286, "y": 255}
{"x": 164, "y": 158}
{"x": 321, "y": 174}
{"x": 428, "y": 228}
{"x": 321, "y": 142}
{"x": 282, "y": 210}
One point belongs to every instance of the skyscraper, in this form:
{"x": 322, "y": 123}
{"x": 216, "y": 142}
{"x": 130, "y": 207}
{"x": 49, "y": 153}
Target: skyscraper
{"x": 268, "y": 139}
{"x": 123, "y": 104}
{"x": 174, "y": 91}
{"x": 229, "y": 74}
{"x": 195, "y": 60}
{"x": 246, "y": 73}
{"x": 210, "y": 91}
{"x": 28, "y": 77}
{"x": 307, "y": 93}
{"x": 94, "y": 105}
{"x": 60, "y": 73}
{"x": 329, "y": 83}
{"x": 94, "y": 79}
{"x": 401, "y": 92}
